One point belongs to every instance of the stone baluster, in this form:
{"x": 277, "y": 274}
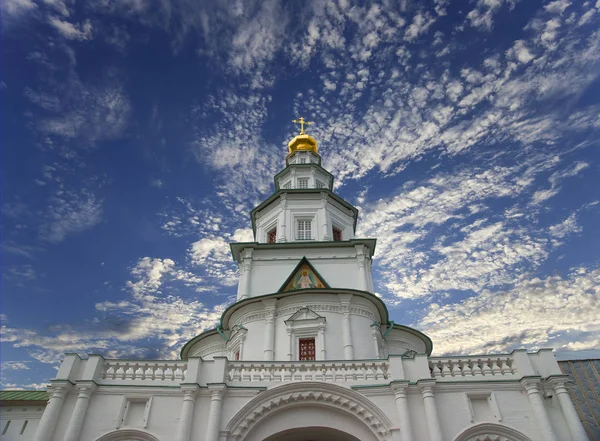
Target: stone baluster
{"x": 431, "y": 414}
{"x": 213, "y": 426}
{"x": 77, "y": 417}
{"x": 47, "y": 424}
{"x": 573, "y": 422}
{"x": 542, "y": 420}
{"x": 399, "y": 390}
{"x": 187, "y": 412}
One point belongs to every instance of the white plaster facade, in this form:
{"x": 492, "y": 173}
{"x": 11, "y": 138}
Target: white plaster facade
{"x": 370, "y": 380}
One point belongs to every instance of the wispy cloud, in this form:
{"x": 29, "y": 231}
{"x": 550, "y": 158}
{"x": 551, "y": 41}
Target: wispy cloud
{"x": 150, "y": 323}
{"x": 70, "y": 212}
{"x": 554, "y": 311}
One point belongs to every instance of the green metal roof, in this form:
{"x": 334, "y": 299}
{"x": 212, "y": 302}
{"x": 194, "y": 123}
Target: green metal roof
{"x": 24, "y": 395}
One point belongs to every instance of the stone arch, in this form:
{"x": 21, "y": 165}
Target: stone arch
{"x": 127, "y": 435}
{"x": 309, "y": 393}
{"x": 491, "y": 432}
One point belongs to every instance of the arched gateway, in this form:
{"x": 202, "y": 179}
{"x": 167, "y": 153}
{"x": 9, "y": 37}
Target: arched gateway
{"x": 298, "y": 410}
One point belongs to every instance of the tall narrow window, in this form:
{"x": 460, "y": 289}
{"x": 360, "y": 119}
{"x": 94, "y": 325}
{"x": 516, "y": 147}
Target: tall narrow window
{"x": 302, "y": 182}
{"x": 303, "y": 229}
{"x": 337, "y": 234}
{"x": 319, "y": 184}
{"x": 5, "y": 427}
{"x": 302, "y": 160}
{"x": 23, "y": 428}
{"x": 237, "y": 354}
{"x": 272, "y": 236}
{"x": 306, "y": 348}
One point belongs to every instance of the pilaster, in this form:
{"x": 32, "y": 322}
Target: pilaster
{"x": 347, "y": 326}
{"x": 58, "y": 390}
{"x": 245, "y": 274}
{"x": 270, "y": 308}
{"x": 399, "y": 389}
{"x": 187, "y": 411}
{"x": 576, "y": 428}
{"x": 431, "y": 413}
{"x": 85, "y": 389}
{"x": 532, "y": 386}
{"x": 213, "y": 426}
{"x": 361, "y": 263}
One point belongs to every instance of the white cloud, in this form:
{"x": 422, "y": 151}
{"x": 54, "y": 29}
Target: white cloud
{"x": 14, "y": 8}
{"x": 70, "y": 212}
{"x": 420, "y": 25}
{"x": 151, "y": 323}
{"x": 214, "y": 255}
{"x": 547, "y": 312}
{"x": 14, "y": 365}
{"x": 71, "y": 31}
{"x": 520, "y": 52}
{"x": 566, "y": 227}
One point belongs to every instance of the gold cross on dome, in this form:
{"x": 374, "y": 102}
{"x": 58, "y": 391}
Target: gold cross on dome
{"x": 302, "y": 123}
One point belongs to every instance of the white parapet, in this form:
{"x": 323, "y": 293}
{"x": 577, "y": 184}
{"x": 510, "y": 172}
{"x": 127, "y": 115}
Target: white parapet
{"x": 364, "y": 371}
{"x": 472, "y": 368}
{"x": 119, "y": 371}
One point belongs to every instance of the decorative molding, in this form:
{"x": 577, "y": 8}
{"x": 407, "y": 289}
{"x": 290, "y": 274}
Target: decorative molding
{"x": 491, "y": 432}
{"x": 128, "y": 435}
{"x": 403, "y": 344}
{"x": 254, "y": 316}
{"x": 209, "y": 349}
{"x": 306, "y": 393}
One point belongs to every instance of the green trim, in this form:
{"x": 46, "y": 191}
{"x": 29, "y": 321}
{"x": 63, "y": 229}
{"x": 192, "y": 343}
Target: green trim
{"x": 390, "y": 326}
{"x": 277, "y": 193}
{"x": 219, "y": 329}
{"x": 303, "y": 261}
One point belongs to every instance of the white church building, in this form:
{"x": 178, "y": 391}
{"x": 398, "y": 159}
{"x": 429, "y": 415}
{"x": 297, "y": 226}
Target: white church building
{"x": 307, "y": 353}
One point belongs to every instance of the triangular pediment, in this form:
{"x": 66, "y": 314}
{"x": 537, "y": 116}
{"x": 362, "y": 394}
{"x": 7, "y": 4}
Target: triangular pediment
{"x": 304, "y": 314}
{"x": 304, "y": 276}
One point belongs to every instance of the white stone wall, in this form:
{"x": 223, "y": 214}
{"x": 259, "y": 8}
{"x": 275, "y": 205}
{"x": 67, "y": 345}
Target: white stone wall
{"x": 388, "y": 408}
{"x": 319, "y": 207}
{"x": 339, "y": 267}
{"x": 17, "y": 419}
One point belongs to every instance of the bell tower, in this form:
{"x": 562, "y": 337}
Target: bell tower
{"x": 306, "y": 287}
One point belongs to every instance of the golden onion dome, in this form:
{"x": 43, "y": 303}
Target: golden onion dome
{"x": 303, "y": 142}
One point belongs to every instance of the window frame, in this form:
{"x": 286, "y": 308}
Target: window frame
{"x": 272, "y": 230}
{"x": 303, "y": 180}
{"x": 309, "y": 221}
{"x": 299, "y": 350}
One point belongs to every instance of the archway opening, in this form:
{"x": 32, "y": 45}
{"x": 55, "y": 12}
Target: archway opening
{"x": 312, "y": 434}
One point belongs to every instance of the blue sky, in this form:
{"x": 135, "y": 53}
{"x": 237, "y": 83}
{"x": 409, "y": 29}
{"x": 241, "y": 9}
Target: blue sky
{"x": 137, "y": 135}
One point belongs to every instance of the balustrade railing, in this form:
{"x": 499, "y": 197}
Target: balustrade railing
{"x": 140, "y": 370}
{"x": 248, "y": 372}
{"x": 471, "y": 368}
